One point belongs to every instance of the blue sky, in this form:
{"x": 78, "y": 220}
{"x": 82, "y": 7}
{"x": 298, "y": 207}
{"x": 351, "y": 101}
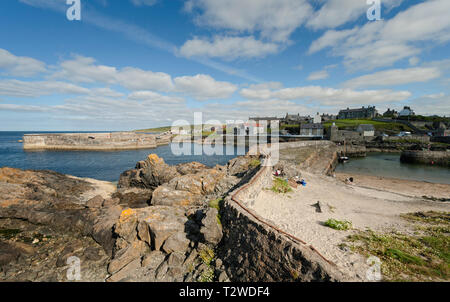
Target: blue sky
{"x": 133, "y": 64}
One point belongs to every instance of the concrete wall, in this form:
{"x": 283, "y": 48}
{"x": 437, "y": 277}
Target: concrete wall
{"x": 255, "y": 250}
{"x": 94, "y": 141}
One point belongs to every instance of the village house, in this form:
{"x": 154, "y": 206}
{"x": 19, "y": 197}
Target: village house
{"x": 295, "y": 119}
{"x": 407, "y": 111}
{"x": 366, "y": 130}
{"x": 390, "y": 113}
{"x": 311, "y": 129}
{"x": 359, "y": 113}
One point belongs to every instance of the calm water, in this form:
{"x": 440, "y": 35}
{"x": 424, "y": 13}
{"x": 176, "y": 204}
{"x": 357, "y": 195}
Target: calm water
{"x": 99, "y": 165}
{"x": 389, "y": 165}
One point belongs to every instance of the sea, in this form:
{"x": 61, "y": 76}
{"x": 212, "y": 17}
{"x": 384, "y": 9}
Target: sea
{"x": 389, "y": 165}
{"x": 101, "y": 165}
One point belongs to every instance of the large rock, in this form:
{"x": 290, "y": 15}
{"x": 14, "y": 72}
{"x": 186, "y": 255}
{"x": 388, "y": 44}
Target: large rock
{"x": 149, "y": 174}
{"x": 134, "y": 197}
{"x": 162, "y": 221}
{"x": 55, "y": 210}
{"x": 188, "y": 189}
{"x": 190, "y": 168}
{"x": 211, "y": 228}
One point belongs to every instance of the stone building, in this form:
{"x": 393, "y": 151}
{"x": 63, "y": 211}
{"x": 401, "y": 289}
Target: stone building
{"x": 390, "y": 113}
{"x": 312, "y": 129}
{"x": 361, "y": 113}
{"x": 366, "y": 130}
{"x": 296, "y": 119}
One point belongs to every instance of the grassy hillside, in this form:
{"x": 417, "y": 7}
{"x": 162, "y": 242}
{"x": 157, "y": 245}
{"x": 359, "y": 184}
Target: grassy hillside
{"x": 381, "y": 126}
{"x": 156, "y": 130}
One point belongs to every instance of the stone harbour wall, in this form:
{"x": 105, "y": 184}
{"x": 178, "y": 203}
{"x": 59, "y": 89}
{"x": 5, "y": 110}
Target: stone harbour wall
{"x": 440, "y": 158}
{"x": 254, "y": 250}
{"x": 94, "y": 141}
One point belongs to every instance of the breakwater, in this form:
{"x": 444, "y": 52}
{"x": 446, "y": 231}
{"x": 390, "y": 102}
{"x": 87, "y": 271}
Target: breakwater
{"x": 94, "y": 141}
{"x": 440, "y": 158}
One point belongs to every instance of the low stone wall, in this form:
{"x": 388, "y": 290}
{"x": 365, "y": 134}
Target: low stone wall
{"x": 254, "y": 250}
{"x": 440, "y": 158}
{"x": 441, "y": 139}
{"x": 413, "y": 138}
{"x": 94, "y": 141}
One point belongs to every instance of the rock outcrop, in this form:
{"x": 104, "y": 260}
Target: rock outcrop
{"x": 45, "y": 217}
{"x": 157, "y": 226}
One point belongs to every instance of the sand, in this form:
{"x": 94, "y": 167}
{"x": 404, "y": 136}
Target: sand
{"x": 377, "y": 208}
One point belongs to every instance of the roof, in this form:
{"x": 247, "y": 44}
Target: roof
{"x": 357, "y": 109}
{"x": 311, "y": 126}
{"x": 366, "y": 127}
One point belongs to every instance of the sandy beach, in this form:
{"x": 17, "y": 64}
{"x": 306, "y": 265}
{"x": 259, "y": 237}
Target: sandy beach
{"x": 370, "y": 202}
{"x": 399, "y": 186}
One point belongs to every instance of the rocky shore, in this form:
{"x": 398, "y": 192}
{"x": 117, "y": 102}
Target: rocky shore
{"x": 161, "y": 224}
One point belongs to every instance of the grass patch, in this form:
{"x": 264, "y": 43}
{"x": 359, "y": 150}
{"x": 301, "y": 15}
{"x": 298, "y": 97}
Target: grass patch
{"x": 338, "y": 225}
{"x": 156, "y": 130}
{"x": 217, "y": 204}
{"x": 281, "y": 186}
{"x": 254, "y": 163}
{"x": 424, "y": 256}
{"x": 207, "y": 255}
{"x": 380, "y": 126}
{"x": 9, "y": 233}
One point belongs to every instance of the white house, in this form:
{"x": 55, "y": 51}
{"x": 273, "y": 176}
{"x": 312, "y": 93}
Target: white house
{"x": 407, "y": 111}
{"x": 317, "y": 119}
{"x": 366, "y": 129}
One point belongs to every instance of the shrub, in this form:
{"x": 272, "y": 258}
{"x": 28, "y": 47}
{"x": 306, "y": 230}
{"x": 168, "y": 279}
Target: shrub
{"x": 338, "y": 225}
{"x": 281, "y": 186}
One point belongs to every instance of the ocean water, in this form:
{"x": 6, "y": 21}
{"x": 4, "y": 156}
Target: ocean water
{"x": 99, "y": 165}
{"x": 389, "y": 165}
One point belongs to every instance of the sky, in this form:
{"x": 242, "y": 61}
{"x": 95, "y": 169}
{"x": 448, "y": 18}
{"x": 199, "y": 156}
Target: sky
{"x": 135, "y": 64}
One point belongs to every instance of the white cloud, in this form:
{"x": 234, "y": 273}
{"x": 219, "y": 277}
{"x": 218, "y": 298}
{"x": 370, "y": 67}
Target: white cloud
{"x": 228, "y": 48}
{"x": 39, "y": 88}
{"x": 326, "y": 96}
{"x": 85, "y": 70}
{"x": 318, "y": 75}
{"x": 394, "y": 77}
{"x": 138, "y": 79}
{"x": 380, "y": 44}
{"x": 274, "y": 19}
{"x": 431, "y": 104}
{"x": 204, "y": 87}
{"x": 413, "y": 61}
{"x": 19, "y": 66}
{"x": 335, "y": 13}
